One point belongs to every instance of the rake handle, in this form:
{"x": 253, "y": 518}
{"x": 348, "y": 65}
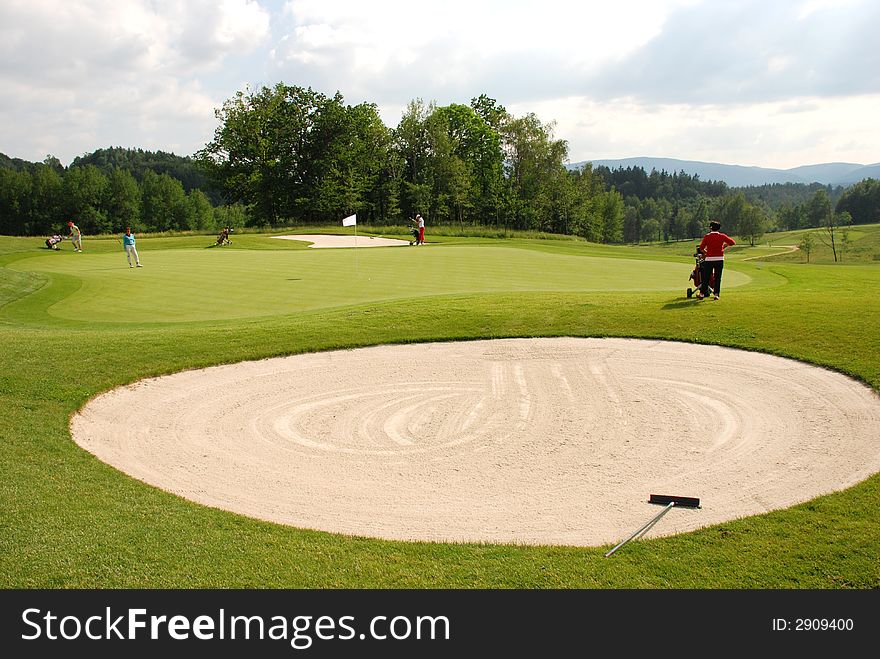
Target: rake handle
{"x": 643, "y": 528}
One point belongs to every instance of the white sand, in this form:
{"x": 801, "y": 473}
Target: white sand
{"x": 545, "y": 441}
{"x": 320, "y": 242}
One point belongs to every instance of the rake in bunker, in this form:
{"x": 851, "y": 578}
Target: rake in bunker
{"x": 669, "y": 502}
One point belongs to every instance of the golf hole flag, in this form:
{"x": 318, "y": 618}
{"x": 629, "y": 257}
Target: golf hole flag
{"x": 350, "y": 221}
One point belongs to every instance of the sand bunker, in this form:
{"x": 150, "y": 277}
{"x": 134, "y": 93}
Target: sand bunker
{"x": 320, "y": 242}
{"x": 544, "y": 441}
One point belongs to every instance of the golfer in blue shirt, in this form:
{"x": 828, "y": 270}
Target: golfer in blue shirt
{"x": 128, "y": 242}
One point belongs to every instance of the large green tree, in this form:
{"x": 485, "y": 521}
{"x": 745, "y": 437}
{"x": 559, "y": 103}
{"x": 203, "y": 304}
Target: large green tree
{"x": 163, "y": 203}
{"x": 124, "y": 201}
{"x": 465, "y": 158}
{"x": 817, "y": 210}
{"x": 729, "y": 211}
{"x": 44, "y": 207}
{"x": 753, "y": 224}
{"x": 413, "y": 146}
{"x": 862, "y": 202}
{"x": 790, "y": 215}
{"x": 86, "y": 190}
{"x": 533, "y": 159}
{"x": 200, "y": 212}
{"x": 15, "y": 190}
{"x": 254, "y": 156}
{"x": 371, "y": 165}
{"x": 294, "y": 154}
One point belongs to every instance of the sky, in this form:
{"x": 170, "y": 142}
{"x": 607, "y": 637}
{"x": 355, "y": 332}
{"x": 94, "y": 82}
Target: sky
{"x": 771, "y": 83}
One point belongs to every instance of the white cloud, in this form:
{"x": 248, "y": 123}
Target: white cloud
{"x": 745, "y": 81}
{"x": 761, "y": 134}
{"x": 160, "y": 114}
{"x": 202, "y": 33}
{"x": 89, "y": 74}
{"x": 585, "y": 31}
{"x": 78, "y": 39}
{"x": 458, "y": 45}
{"x": 662, "y": 71}
{"x": 243, "y": 23}
{"x": 751, "y": 51}
{"x": 813, "y": 6}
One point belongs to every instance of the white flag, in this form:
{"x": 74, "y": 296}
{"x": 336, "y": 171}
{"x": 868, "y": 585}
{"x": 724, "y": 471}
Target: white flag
{"x": 350, "y": 221}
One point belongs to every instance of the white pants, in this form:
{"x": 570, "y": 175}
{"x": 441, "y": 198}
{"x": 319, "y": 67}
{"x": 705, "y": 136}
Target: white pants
{"x": 129, "y": 250}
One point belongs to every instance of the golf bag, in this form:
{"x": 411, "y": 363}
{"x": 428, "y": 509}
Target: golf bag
{"x": 414, "y": 232}
{"x": 223, "y": 238}
{"x": 697, "y": 275}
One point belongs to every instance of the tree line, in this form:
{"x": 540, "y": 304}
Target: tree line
{"x": 776, "y": 195}
{"x": 39, "y": 199}
{"x": 293, "y": 155}
{"x": 857, "y": 204}
{"x": 138, "y": 162}
{"x": 661, "y": 206}
{"x": 287, "y": 155}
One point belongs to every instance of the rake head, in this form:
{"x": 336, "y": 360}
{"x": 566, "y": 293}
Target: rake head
{"x": 666, "y": 499}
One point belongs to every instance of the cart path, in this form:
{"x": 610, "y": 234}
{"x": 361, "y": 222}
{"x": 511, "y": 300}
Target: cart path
{"x": 791, "y": 248}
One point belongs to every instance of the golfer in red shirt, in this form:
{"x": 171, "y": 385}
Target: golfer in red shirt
{"x": 713, "y": 245}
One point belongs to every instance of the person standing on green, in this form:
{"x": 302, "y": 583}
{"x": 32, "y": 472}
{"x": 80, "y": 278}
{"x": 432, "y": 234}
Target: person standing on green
{"x": 713, "y": 245}
{"x": 421, "y": 224}
{"x": 75, "y": 236}
{"x": 128, "y": 242}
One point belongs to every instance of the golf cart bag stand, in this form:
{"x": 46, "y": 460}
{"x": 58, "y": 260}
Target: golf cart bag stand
{"x": 697, "y": 277}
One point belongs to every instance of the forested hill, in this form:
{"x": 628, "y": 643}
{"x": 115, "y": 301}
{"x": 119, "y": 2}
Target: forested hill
{"x": 106, "y": 191}
{"x": 736, "y": 176}
{"x": 777, "y": 195}
{"x": 138, "y": 161}
{"x": 16, "y": 163}
{"x": 135, "y": 161}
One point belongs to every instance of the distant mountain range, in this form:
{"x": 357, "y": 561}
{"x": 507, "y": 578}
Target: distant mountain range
{"x": 736, "y": 176}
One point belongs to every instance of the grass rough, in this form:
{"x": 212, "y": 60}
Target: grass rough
{"x": 70, "y": 521}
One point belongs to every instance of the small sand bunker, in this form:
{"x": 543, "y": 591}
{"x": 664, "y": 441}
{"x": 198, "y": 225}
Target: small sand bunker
{"x": 539, "y": 441}
{"x": 320, "y": 241}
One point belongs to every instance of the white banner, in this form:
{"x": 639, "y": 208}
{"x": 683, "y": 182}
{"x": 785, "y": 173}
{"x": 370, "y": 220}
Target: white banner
{"x": 350, "y": 221}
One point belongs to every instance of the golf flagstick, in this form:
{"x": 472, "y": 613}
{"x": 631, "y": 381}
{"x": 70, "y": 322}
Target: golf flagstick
{"x": 351, "y": 220}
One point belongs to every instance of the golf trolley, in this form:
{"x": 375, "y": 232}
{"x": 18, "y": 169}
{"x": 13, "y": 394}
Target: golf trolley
{"x": 414, "y": 232}
{"x": 223, "y": 238}
{"x": 697, "y": 275}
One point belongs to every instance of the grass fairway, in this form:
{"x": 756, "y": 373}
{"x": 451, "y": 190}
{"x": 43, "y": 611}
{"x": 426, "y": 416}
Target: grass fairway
{"x": 74, "y": 325}
{"x": 199, "y": 285}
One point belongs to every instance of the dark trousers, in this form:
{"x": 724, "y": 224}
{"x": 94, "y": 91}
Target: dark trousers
{"x": 708, "y": 269}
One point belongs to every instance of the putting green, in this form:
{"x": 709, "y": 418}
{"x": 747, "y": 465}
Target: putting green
{"x": 184, "y": 285}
